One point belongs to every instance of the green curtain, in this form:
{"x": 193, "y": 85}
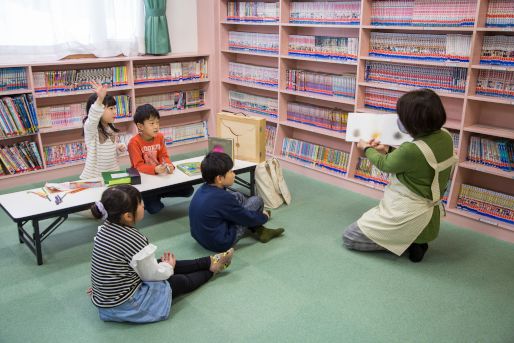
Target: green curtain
{"x": 157, "y": 39}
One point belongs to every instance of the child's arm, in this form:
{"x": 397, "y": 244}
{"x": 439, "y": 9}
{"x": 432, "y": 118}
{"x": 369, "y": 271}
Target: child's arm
{"x": 146, "y": 266}
{"x": 234, "y": 212}
{"x": 164, "y": 157}
{"x": 397, "y": 161}
{"x": 136, "y": 158}
{"x": 97, "y": 109}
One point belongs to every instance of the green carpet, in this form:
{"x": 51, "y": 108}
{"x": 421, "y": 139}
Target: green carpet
{"x": 302, "y": 287}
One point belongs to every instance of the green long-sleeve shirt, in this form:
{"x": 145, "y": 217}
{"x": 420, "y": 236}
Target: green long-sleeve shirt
{"x": 413, "y": 171}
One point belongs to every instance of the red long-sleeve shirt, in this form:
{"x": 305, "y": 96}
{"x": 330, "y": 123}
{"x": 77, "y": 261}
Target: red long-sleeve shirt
{"x": 146, "y": 155}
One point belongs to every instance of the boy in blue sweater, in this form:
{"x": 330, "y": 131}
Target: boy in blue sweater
{"x": 219, "y": 218}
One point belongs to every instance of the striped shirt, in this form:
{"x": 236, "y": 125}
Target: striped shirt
{"x": 113, "y": 279}
{"x": 100, "y": 157}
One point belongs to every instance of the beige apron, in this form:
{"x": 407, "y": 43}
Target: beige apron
{"x": 402, "y": 215}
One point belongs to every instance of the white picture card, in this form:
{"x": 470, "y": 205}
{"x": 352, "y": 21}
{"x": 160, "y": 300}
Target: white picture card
{"x": 382, "y": 127}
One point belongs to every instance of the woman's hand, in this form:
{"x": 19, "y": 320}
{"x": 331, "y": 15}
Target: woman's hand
{"x": 381, "y": 148}
{"x": 169, "y": 258}
{"x": 363, "y": 144}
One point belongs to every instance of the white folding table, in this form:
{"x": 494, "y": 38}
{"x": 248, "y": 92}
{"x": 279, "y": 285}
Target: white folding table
{"x": 23, "y": 207}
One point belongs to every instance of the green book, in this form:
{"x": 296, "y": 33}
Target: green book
{"x": 129, "y": 177}
{"x": 190, "y": 168}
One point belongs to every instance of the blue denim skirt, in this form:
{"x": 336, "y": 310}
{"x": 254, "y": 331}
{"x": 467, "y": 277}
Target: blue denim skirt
{"x": 151, "y": 302}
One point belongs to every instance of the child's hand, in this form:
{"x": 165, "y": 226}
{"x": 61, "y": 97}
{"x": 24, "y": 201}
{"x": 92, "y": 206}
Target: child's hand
{"x": 121, "y": 147}
{"x": 170, "y": 168}
{"x": 160, "y": 169}
{"x": 169, "y": 258}
{"x": 381, "y": 148}
{"x": 100, "y": 90}
{"x": 89, "y": 292}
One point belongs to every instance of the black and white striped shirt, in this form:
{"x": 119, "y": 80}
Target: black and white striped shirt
{"x": 113, "y": 279}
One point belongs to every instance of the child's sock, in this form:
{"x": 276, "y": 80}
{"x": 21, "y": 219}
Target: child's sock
{"x": 417, "y": 251}
{"x": 264, "y": 234}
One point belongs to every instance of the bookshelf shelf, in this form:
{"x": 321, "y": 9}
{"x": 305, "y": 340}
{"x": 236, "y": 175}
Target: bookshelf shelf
{"x": 248, "y": 113}
{"x": 487, "y": 169}
{"x": 15, "y": 92}
{"x": 482, "y": 219}
{"x": 418, "y": 28}
{"x": 2, "y": 139}
{"x": 250, "y": 85}
{"x": 401, "y": 88}
{"x": 87, "y": 91}
{"x": 322, "y": 60}
{"x": 249, "y": 23}
{"x": 260, "y": 54}
{"x": 169, "y": 84}
{"x": 185, "y": 111}
{"x": 315, "y": 129}
{"x": 468, "y": 113}
{"x": 490, "y": 130}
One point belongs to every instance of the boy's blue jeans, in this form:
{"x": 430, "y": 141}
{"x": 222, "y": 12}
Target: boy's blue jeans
{"x": 153, "y": 203}
{"x": 253, "y": 203}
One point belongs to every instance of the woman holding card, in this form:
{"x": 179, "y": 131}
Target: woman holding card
{"x": 408, "y": 216}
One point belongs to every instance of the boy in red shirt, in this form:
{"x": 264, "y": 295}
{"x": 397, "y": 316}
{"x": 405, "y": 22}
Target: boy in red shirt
{"x": 148, "y": 155}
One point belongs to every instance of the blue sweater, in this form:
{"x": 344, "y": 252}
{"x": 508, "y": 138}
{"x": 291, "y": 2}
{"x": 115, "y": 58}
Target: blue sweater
{"x": 213, "y": 212}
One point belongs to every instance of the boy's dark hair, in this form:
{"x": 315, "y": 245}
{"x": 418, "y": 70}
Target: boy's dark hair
{"x": 421, "y": 112}
{"x": 145, "y": 112}
{"x": 108, "y": 101}
{"x": 214, "y": 164}
{"x": 118, "y": 200}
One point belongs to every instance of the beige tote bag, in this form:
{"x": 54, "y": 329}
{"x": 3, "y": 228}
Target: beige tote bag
{"x": 270, "y": 184}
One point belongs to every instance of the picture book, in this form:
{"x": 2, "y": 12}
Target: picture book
{"x": 190, "y": 168}
{"x": 381, "y": 127}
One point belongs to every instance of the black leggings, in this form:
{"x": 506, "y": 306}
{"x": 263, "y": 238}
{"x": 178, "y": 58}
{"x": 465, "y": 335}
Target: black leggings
{"x": 189, "y": 275}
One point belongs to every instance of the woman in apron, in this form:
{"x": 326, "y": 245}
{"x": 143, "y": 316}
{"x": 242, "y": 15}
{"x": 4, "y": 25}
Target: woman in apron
{"x": 408, "y": 217}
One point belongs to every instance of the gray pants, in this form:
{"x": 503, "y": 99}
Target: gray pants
{"x": 254, "y": 203}
{"x": 355, "y": 239}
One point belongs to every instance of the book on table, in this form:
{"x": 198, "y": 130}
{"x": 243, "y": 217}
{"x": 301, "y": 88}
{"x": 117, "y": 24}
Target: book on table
{"x": 128, "y": 177}
{"x": 189, "y": 168}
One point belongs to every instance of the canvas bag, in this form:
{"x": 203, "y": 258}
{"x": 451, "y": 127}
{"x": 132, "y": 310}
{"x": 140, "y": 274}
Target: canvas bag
{"x": 270, "y": 184}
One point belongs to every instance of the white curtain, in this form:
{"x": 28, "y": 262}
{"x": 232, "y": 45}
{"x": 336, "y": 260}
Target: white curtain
{"x": 48, "y": 30}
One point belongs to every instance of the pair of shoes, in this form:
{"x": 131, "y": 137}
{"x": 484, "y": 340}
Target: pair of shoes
{"x": 154, "y": 207}
{"x": 417, "y": 251}
{"x": 264, "y": 235}
{"x": 221, "y": 261}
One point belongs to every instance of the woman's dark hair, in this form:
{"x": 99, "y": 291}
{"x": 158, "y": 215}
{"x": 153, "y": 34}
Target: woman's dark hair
{"x": 108, "y": 101}
{"x": 421, "y": 112}
{"x": 145, "y": 112}
{"x": 118, "y": 200}
{"x": 214, "y": 164}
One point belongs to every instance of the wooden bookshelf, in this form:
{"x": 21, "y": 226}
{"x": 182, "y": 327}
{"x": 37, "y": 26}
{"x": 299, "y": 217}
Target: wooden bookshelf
{"x": 467, "y": 113}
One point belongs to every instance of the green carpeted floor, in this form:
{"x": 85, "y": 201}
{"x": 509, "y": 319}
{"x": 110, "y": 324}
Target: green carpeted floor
{"x": 303, "y": 287}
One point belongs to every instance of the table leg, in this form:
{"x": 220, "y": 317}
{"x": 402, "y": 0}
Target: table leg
{"x": 37, "y": 242}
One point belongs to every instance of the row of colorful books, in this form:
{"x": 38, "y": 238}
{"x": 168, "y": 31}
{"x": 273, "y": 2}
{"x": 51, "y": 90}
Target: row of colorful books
{"x": 325, "y": 12}
{"x": 58, "y": 81}
{"x": 498, "y": 50}
{"x": 495, "y": 83}
{"x": 253, "y": 74}
{"x": 318, "y": 156}
{"x": 487, "y": 203}
{"x": 253, "y": 11}
{"x": 455, "y": 139}
{"x": 171, "y": 72}
{"x": 500, "y": 13}
{"x": 174, "y": 101}
{"x": 381, "y": 99}
{"x": 20, "y": 157}
{"x": 184, "y": 133}
{"x": 253, "y": 103}
{"x": 13, "y": 78}
{"x": 17, "y": 116}
{"x": 366, "y": 171}
{"x": 271, "y": 133}
{"x": 452, "y": 79}
{"x": 324, "y": 117}
{"x": 339, "y": 48}
{"x": 327, "y": 84}
{"x": 65, "y": 153}
{"x": 71, "y": 115}
{"x": 450, "y": 47}
{"x": 493, "y": 152}
{"x": 266, "y": 43}
{"x": 443, "y": 13}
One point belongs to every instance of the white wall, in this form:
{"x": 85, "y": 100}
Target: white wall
{"x": 182, "y": 25}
